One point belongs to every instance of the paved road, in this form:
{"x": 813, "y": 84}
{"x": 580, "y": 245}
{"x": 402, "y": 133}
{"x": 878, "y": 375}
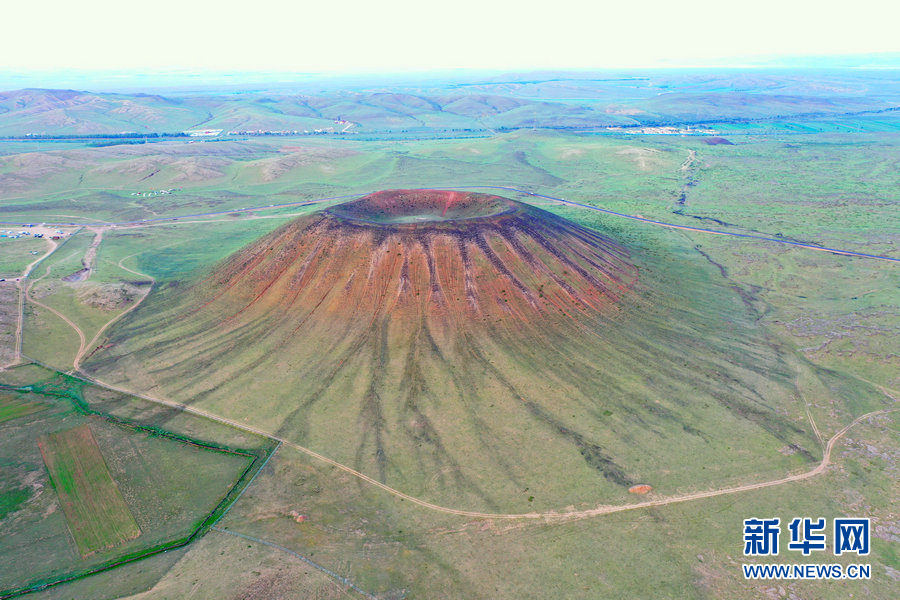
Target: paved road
{"x": 697, "y": 229}
{"x": 179, "y": 217}
{"x": 494, "y": 187}
{"x": 550, "y": 516}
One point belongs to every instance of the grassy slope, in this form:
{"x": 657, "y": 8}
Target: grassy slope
{"x": 520, "y": 414}
{"x": 693, "y": 549}
{"x": 735, "y": 184}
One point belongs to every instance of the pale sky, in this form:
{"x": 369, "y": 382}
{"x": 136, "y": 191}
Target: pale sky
{"x": 408, "y": 35}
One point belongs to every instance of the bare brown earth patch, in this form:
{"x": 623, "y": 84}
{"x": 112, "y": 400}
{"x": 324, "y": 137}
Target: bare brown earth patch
{"x": 109, "y": 296}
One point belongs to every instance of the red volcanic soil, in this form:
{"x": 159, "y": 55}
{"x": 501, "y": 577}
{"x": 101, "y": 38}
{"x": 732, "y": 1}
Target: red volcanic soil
{"x": 459, "y": 345}
{"x": 446, "y": 252}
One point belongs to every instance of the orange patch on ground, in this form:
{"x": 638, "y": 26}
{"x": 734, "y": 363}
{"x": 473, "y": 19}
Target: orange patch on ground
{"x": 640, "y": 489}
{"x": 470, "y": 255}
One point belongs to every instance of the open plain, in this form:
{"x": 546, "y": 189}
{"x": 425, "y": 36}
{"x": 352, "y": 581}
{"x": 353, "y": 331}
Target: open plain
{"x": 520, "y": 363}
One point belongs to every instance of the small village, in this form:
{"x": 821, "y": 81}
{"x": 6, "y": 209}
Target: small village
{"x": 664, "y": 130}
{"x": 155, "y": 193}
{"x": 34, "y": 231}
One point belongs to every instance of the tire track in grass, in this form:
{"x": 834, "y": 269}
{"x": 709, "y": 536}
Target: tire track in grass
{"x": 76, "y": 364}
{"x": 340, "y": 579}
{"x": 76, "y": 328}
{"x": 20, "y": 289}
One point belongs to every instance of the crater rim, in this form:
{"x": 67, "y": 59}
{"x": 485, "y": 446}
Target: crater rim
{"x": 412, "y": 207}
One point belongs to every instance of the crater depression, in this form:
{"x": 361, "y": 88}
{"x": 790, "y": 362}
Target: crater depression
{"x": 471, "y": 349}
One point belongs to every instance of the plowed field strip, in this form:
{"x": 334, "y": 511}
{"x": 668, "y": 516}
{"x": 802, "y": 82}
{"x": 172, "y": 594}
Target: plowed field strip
{"x": 549, "y": 516}
{"x": 95, "y": 510}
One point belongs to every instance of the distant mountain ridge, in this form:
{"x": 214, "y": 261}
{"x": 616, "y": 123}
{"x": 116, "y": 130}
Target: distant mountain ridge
{"x": 531, "y": 100}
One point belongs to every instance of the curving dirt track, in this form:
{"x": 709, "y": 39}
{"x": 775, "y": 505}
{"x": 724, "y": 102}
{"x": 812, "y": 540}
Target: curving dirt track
{"x": 76, "y": 364}
{"x": 29, "y": 298}
{"x": 548, "y": 516}
{"x": 22, "y": 289}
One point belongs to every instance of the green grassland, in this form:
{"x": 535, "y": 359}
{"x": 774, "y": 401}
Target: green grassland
{"x": 840, "y": 313}
{"x": 50, "y": 338}
{"x": 172, "y": 249}
{"x": 96, "y": 513}
{"x": 168, "y": 483}
{"x": 12, "y": 407}
{"x": 59, "y": 343}
{"x": 759, "y": 184}
{"x": 130, "y": 579}
{"x": 243, "y": 570}
{"x": 820, "y": 328}
{"x": 15, "y": 254}
{"x": 694, "y": 550}
{"x": 714, "y": 371}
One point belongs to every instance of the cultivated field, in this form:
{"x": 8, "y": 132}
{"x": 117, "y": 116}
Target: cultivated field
{"x": 13, "y": 407}
{"x": 96, "y": 513}
{"x": 114, "y": 477}
{"x": 740, "y": 361}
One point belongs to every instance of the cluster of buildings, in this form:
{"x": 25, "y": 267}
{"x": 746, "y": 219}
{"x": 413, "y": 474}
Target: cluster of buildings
{"x": 154, "y": 193}
{"x": 274, "y": 131}
{"x": 346, "y": 125}
{"x": 202, "y": 132}
{"x": 57, "y": 234}
{"x": 664, "y": 130}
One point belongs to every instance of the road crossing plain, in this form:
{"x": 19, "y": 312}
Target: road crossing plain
{"x": 806, "y": 333}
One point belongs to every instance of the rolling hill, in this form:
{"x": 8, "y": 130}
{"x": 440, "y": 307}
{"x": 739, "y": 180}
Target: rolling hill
{"x": 473, "y": 350}
{"x": 513, "y": 101}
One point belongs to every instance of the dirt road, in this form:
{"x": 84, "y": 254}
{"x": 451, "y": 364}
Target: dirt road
{"x": 76, "y": 364}
{"x": 548, "y": 516}
{"x": 20, "y": 287}
{"x": 29, "y": 298}
{"x": 763, "y": 238}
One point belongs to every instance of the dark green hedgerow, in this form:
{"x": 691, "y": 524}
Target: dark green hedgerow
{"x": 69, "y": 388}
